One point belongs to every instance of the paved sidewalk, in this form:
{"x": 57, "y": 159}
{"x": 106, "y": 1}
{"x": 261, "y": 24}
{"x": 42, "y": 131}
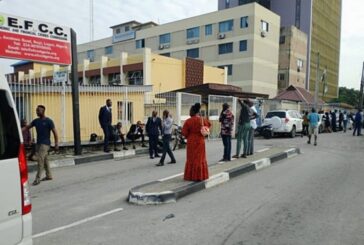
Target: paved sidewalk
{"x": 170, "y": 189}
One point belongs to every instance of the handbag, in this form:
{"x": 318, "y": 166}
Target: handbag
{"x": 205, "y": 131}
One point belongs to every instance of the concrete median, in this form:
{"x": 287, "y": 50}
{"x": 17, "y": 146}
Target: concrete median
{"x": 170, "y": 189}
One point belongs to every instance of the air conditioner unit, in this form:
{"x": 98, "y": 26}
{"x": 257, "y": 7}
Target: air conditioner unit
{"x": 166, "y": 45}
{"x": 161, "y": 46}
{"x": 221, "y": 35}
{"x": 195, "y": 41}
{"x": 263, "y": 33}
{"x": 189, "y": 41}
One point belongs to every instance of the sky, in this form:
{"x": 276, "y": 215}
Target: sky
{"x": 76, "y": 14}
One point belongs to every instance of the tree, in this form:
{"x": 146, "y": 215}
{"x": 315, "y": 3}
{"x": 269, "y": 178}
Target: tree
{"x": 348, "y": 96}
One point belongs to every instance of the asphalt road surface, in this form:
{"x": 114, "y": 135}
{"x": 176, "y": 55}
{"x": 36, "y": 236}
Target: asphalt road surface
{"x": 314, "y": 198}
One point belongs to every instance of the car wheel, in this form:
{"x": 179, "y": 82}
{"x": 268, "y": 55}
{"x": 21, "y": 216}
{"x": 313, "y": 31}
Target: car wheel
{"x": 293, "y": 132}
{"x": 321, "y": 129}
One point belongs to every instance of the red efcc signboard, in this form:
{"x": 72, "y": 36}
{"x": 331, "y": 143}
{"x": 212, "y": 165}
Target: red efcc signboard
{"x": 33, "y": 40}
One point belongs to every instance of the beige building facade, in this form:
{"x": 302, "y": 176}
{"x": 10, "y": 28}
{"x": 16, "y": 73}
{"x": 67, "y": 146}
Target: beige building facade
{"x": 292, "y": 58}
{"x": 242, "y": 39}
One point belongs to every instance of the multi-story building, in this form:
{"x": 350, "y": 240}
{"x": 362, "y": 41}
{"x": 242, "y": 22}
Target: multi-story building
{"x": 242, "y": 39}
{"x": 292, "y": 58}
{"x": 321, "y": 21}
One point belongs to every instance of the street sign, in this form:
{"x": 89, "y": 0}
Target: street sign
{"x": 60, "y": 76}
{"x": 27, "y": 39}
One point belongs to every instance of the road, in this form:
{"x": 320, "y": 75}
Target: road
{"x": 315, "y": 198}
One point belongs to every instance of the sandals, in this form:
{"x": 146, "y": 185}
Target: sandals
{"x": 36, "y": 182}
{"x": 46, "y": 178}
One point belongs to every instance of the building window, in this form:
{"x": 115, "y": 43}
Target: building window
{"x": 229, "y": 69}
{"x": 108, "y": 50}
{"x": 227, "y": 4}
{"x": 243, "y": 45}
{"x": 281, "y": 77}
{"x": 139, "y": 43}
{"x": 298, "y": 14}
{"x": 114, "y": 79}
{"x": 127, "y": 28}
{"x": 166, "y": 54}
{"x": 241, "y": 2}
{"x": 244, "y": 22}
{"x": 91, "y": 55}
{"x": 264, "y": 26}
{"x": 225, "y": 48}
{"x": 95, "y": 80}
{"x": 117, "y": 31}
{"x": 135, "y": 77}
{"x": 165, "y": 38}
{"x": 193, "y": 33}
{"x": 208, "y": 30}
{"x": 226, "y": 26}
{"x": 282, "y": 39}
{"x": 299, "y": 65}
{"x": 264, "y": 3}
{"x": 193, "y": 53}
{"x": 128, "y": 116}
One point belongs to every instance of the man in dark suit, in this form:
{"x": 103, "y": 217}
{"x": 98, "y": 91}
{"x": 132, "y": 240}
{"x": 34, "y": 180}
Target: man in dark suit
{"x": 105, "y": 118}
{"x": 136, "y": 132}
{"x": 153, "y": 128}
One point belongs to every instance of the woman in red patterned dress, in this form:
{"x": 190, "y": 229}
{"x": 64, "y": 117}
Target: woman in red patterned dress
{"x": 196, "y": 168}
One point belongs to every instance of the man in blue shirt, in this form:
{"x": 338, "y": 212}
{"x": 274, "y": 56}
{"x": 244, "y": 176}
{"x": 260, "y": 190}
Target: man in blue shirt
{"x": 43, "y": 126}
{"x": 313, "y": 120}
{"x": 357, "y": 122}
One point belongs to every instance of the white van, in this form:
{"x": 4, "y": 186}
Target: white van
{"x": 15, "y": 205}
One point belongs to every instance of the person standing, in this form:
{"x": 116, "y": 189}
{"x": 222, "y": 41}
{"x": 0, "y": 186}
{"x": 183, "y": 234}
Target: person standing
{"x": 313, "y": 119}
{"x": 196, "y": 168}
{"x": 341, "y": 119}
{"x": 327, "y": 123}
{"x": 167, "y": 124}
{"x": 253, "y": 126}
{"x": 227, "y": 124}
{"x": 357, "y": 123}
{"x": 333, "y": 120}
{"x": 153, "y": 128}
{"x": 105, "y": 118}
{"x": 43, "y": 126}
{"x": 305, "y": 124}
{"x": 243, "y": 129}
{"x": 345, "y": 121}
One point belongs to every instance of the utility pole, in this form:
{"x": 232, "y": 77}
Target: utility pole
{"x": 317, "y": 79}
{"x": 360, "y": 106}
{"x": 75, "y": 97}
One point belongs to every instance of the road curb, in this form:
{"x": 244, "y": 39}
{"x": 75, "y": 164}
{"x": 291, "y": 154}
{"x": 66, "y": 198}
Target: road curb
{"x": 65, "y": 162}
{"x": 171, "y": 196}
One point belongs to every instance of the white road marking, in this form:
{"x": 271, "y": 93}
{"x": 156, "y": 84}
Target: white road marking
{"x": 262, "y": 150}
{"x": 76, "y": 223}
{"x": 170, "y": 177}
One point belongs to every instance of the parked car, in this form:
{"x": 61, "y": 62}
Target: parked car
{"x": 15, "y": 205}
{"x": 284, "y": 122}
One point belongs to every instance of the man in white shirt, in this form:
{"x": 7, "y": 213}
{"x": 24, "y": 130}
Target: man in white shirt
{"x": 253, "y": 124}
